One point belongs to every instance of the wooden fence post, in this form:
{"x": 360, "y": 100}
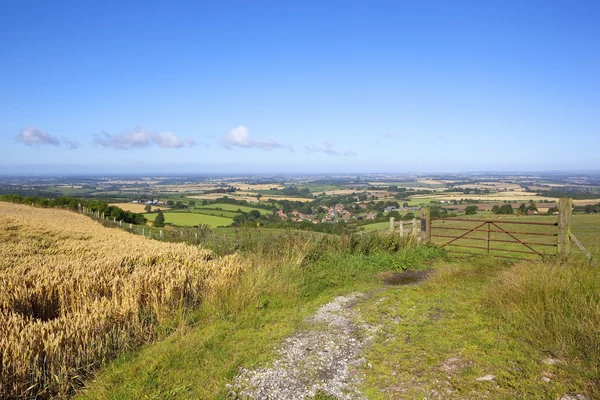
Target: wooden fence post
{"x": 414, "y": 227}
{"x": 425, "y": 225}
{"x": 392, "y": 225}
{"x": 401, "y": 229}
{"x": 565, "y": 206}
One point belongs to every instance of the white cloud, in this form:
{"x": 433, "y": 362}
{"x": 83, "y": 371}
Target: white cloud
{"x": 35, "y": 137}
{"x": 139, "y": 139}
{"x": 240, "y": 137}
{"x": 329, "y": 149}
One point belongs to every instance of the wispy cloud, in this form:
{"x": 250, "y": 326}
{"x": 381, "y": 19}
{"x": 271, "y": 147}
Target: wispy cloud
{"x": 71, "y": 145}
{"x": 388, "y": 136}
{"x": 34, "y": 137}
{"x": 140, "y": 139}
{"x": 329, "y": 149}
{"x": 240, "y": 137}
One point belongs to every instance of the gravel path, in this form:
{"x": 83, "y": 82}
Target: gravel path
{"x": 319, "y": 360}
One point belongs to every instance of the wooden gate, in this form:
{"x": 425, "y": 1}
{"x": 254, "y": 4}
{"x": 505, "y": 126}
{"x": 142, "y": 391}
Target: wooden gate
{"x": 500, "y": 238}
{"x": 522, "y": 239}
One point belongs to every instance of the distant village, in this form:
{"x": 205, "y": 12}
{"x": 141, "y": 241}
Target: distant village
{"x": 339, "y": 213}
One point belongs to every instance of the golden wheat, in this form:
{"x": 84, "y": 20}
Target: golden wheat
{"x": 73, "y": 294}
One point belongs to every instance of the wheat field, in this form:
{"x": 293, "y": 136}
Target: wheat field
{"x": 74, "y": 294}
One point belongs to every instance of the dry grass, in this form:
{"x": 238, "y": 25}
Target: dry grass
{"x": 75, "y": 294}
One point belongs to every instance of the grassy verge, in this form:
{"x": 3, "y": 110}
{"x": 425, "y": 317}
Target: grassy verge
{"x": 483, "y": 318}
{"x": 289, "y": 277}
{"x": 556, "y": 309}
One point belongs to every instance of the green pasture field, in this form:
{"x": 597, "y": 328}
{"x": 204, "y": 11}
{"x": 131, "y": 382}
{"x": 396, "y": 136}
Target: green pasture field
{"x": 231, "y": 207}
{"x": 191, "y": 219}
{"x": 377, "y": 226}
{"x": 319, "y": 188}
{"x": 68, "y": 191}
{"x": 218, "y": 213}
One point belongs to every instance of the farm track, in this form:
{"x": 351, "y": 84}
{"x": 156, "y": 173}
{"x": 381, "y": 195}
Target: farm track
{"x": 321, "y": 359}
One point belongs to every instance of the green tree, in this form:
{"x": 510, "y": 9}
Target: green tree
{"x": 192, "y": 203}
{"x": 523, "y": 208}
{"x": 532, "y": 206}
{"x": 159, "y": 222}
{"x": 255, "y": 214}
{"x": 471, "y": 210}
{"x": 394, "y": 214}
{"x": 495, "y": 209}
{"x": 148, "y": 208}
{"x": 506, "y": 209}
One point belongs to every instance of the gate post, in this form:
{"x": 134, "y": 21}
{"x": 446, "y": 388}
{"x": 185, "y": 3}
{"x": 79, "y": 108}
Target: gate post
{"x": 425, "y": 225}
{"x": 392, "y": 225}
{"x": 565, "y": 206}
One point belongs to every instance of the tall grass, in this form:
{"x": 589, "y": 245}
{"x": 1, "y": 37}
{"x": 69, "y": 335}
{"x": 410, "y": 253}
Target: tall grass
{"x": 555, "y": 307}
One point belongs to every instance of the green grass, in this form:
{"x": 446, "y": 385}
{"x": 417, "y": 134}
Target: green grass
{"x": 377, "y": 226}
{"x": 288, "y": 278}
{"x": 556, "y": 309}
{"x": 439, "y": 337}
{"x": 218, "y": 213}
{"x": 319, "y": 188}
{"x": 586, "y": 228}
{"x": 232, "y": 207}
{"x": 191, "y": 219}
{"x": 68, "y": 191}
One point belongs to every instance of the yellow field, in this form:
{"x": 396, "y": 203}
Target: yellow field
{"x": 214, "y": 196}
{"x": 75, "y": 293}
{"x": 492, "y": 186}
{"x": 341, "y": 192}
{"x": 246, "y": 186}
{"x": 136, "y": 207}
{"x": 431, "y": 182}
{"x": 585, "y": 202}
{"x": 508, "y": 196}
{"x": 248, "y": 198}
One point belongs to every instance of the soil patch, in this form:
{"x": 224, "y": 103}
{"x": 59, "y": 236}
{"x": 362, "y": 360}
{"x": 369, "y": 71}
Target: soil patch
{"x": 405, "y": 277}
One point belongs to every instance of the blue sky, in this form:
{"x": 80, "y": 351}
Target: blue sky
{"x": 307, "y": 86}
